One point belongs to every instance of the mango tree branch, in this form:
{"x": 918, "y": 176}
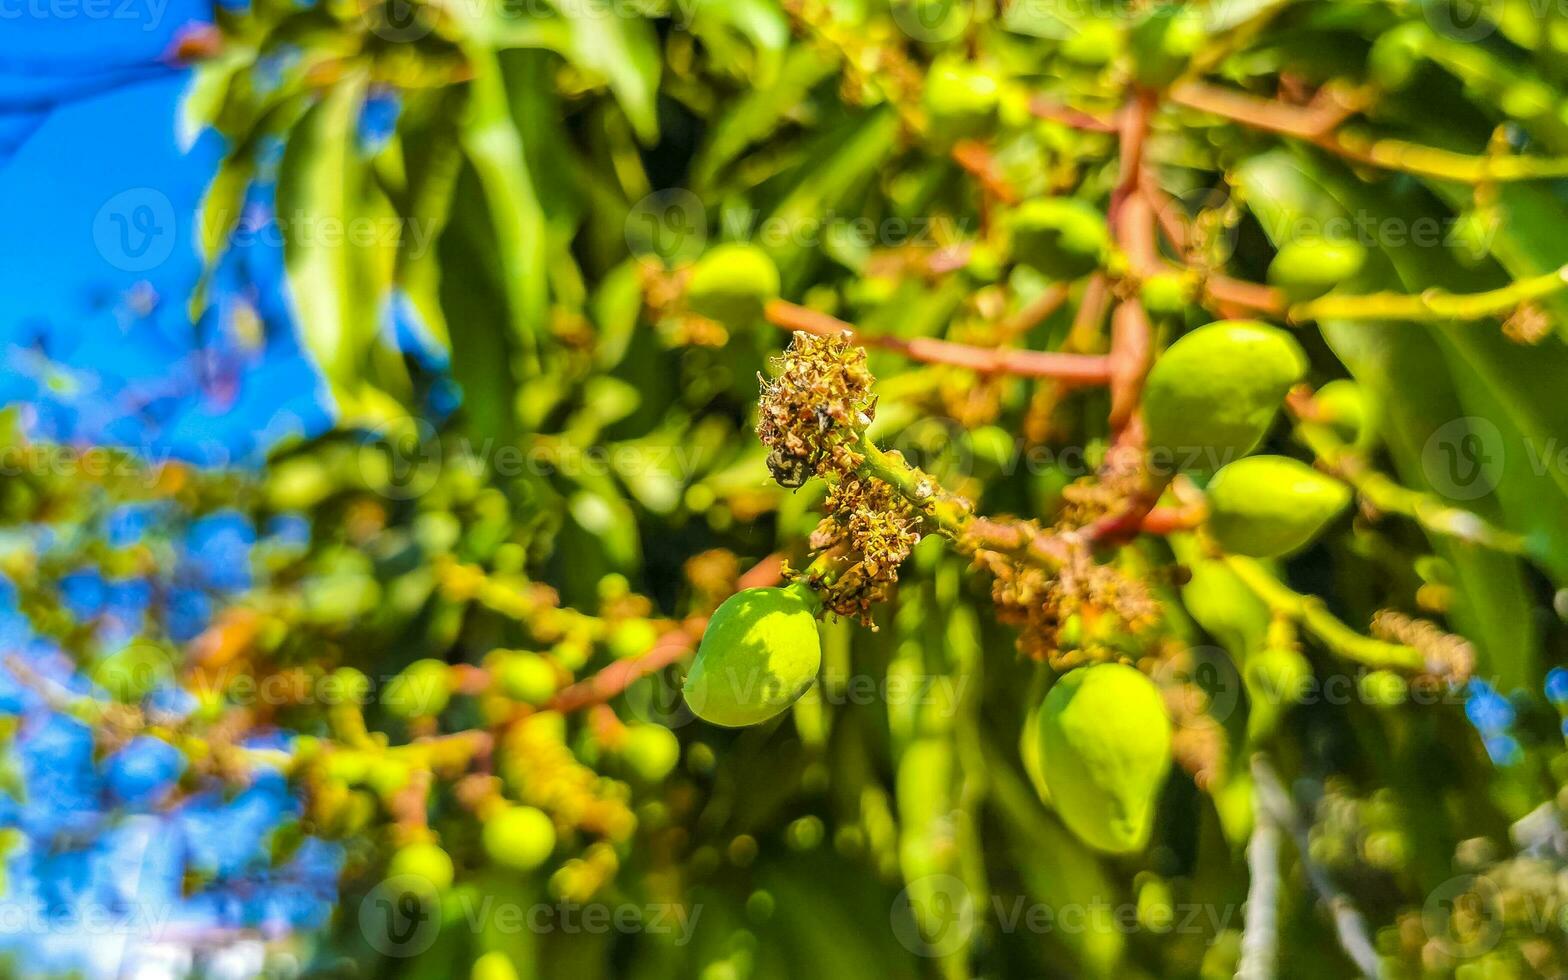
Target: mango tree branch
{"x": 1311, "y": 614}
{"x": 1433, "y": 304}
{"x": 1075, "y": 369}
{"x": 1319, "y": 127}
{"x": 1377, "y": 489}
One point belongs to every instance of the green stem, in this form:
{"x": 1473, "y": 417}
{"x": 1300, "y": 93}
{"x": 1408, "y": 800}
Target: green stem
{"x": 1384, "y": 494}
{"x": 1313, "y": 616}
{"x": 1433, "y": 304}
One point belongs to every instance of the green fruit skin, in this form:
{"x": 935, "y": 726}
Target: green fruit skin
{"x": 760, "y": 653}
{"x": 494, "y": 965}
{"x": 423, "y": 688}
{"x": 528, "y": 678}
{"x": 1060, "y": 237}
{"x": 1397, "y": 53}
{"x": 1164, "y": 42}
{"x": 1343, "y": 405}
{"x": 731, "y": 283}
{"x": 1211, "y": 396}
{"x": 650, "y": 751}
{"x": 960, "y": 100}
{"x": 1307, "y": 268}
{"x": 1096, "y": 43}
{"x": 1164, "y": 294}
{"x": 519, "y": 837}
{"x": 1105, "y": 748}
{"x": 1268, "y": 506}
{"x": 426, "y": 861}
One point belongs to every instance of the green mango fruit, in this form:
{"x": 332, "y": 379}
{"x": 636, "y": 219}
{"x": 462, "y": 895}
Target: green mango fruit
{"x": 1267, "y": 506}
{"x": 494, "y": 965}
{"x": 650, "y": 751}
{"x": 1105, "y": 748}
{"x": 1164, "y": 41}
{"x": 731, "y": 283}
{"x": 424, "y": 861}
{"x": 1059, "y": 237}
{"x": 960, "y": 99}
{"x": 1397, "y": 53}
{"x": 1343, "y": 405}
{"x": 1164, "y": 294}
{"x": 422, "y": 689}
{"x": 760, "y": 653}
{"x": 1211, "y": 396}
{"x": 1306, "y": 268}
{"x": 1383, "y": 688}
{"x": 1095, "y": 44}
{"x": 527, "y": 677}
{"x": 519, "y": 837}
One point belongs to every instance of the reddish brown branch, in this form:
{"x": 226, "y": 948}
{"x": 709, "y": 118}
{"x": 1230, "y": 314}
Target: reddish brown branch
{"x": 977, "y": 160}
{"x": 1081, "y": 369}
{"x": 1044, "y": 108}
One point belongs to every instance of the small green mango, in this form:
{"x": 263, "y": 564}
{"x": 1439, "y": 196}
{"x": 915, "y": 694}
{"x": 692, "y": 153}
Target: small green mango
{"x": 1343, "y": 405}
{"x": 1211, "y": 396}
{"x": 1164, "y": 294}
{"x": 1105, "y": 748}
{"x": 732, "y": 283}
{"x": 1096, "y": 43}
{"x": 1267, "y": 506}
{"x": 527, "y": 677}
{"x": 1309, "y": 267}
{"x": 650, "y": 751}
{"x": 960, "y": 99}
{"x": 519, "y": 837}
{"x": 1059, "y": 237}
{"x": 1164, "y": 41}
{"x": 760, "y": 653}
{"x": 1397, "y": 53}
{"x": 424, "y": 861}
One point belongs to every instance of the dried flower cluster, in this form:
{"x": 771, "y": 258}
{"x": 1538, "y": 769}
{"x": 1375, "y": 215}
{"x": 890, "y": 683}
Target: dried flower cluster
{"x": 809, "y": 414}
{"x": 870, "y": 529}
{"x": 1083, "y": 612}
{"x": 1448, "y": 656}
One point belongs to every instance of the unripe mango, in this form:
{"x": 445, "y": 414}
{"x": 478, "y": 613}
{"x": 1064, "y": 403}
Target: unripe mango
{"x": 1211, "y": 396}
{"x": 1267, "y": 506}
{"x": 731, "y": 283}
{"x": 425, "y": 861}
{"x": 1164, "y": 294}
{"x": 960, "y": 99}
{"x": 760, "y": 653}
{"x": 1307, "y": 268}
{"x": 1096, "y": 42}
{"x": 1060, "y": 237}
{"x": 423, "y": 688}
{"x": 527, "y": 677}
{"x": 1105, "y": 748}
{"x": 650, "y": 751}
{"x": 519, "y": 837}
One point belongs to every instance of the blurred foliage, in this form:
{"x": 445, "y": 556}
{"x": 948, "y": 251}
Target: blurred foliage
{"x": 503, "y": 586}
